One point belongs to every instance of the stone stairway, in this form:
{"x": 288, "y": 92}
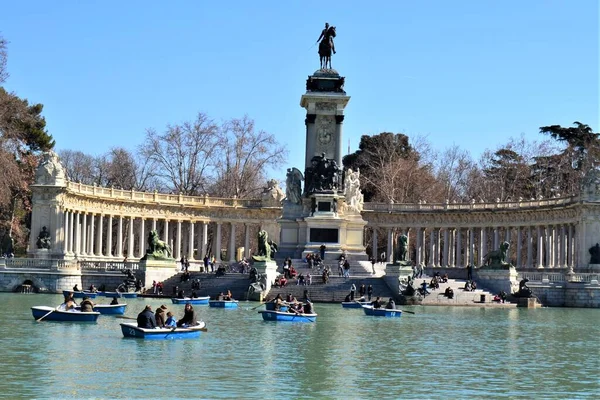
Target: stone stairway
{"x": 210, "y": 285}
{"x": 460, "y": 296}
{"x": 334, "y": 291}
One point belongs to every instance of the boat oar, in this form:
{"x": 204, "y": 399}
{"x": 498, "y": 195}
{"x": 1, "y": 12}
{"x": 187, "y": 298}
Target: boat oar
{"x": 124, "y": 317}
{"x": 261, "y": 304}
{"x": 300, "y": 315}
{"x": 41, "y": 318}
{"x": 406, "y": 311}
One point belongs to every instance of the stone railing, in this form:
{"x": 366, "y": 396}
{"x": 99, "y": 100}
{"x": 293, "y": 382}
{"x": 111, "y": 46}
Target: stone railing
{"x": 28, "y": 263}
{"x": 507, "y": 205}
{"x": 102, "y": 266}
{"x": 559, "y": 277}
{"x": 162, "y": 198}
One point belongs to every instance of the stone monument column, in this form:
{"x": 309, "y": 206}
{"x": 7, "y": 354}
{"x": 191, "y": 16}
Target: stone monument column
{"x": 47, "y": 210}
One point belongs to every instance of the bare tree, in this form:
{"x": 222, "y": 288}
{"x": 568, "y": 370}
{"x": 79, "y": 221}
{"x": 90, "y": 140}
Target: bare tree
{"x": 3, "y": 60}
{"x": 453, "y": 170}
{"x": 182, "y": 156}
{"x": 246, "y": 154}
{"x": 79, "y": 167}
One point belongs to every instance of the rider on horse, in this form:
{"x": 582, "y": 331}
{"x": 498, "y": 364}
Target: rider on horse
{"x": 327, "y": 37}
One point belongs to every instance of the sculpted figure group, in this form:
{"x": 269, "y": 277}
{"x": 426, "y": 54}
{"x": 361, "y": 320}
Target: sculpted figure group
{"x": 323, "y": 175}
{"x": 354, "y": 196}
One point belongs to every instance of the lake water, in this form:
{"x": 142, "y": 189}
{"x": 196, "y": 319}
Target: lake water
{"x": 440, "y": 352}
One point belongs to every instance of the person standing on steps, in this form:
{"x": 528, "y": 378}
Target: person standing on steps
{"x": 369, "y": 292}
{"x": 352, "y": 291}
{"x": 322, "y": 251}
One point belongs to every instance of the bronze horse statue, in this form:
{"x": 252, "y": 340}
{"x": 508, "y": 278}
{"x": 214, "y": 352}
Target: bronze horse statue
{"x": 326, "y": 47}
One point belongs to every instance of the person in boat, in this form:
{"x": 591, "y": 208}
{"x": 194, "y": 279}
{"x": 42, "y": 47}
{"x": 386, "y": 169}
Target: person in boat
{"x": 69, "y": 303}
{"x": 189, "y": 317}
{"x": 296, "y": 308}
{"x": 362, "y": 290}
{"x": 308, "y": 307}
{"x": 86, "y": 305}
{"x": 160, "y": 316}
{"x": 228, "y": 296}
{"x": 93, "y": 289}
{"x": 352, "y": 291}
{"x": 146, "y": 319}
{"x": 377, "y": 302}
{"x": 76, "y": 288}
{"x": 194, "y": 294}
{"x": 347, "y": 299}
{"x": 391, "y": 305}
{"x": 220, "y": 296}
{"x": 114, "y": 301}
{"x": 171, "y": 321}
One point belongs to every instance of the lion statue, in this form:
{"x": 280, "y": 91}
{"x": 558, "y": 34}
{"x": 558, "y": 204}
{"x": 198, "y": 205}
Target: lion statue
{"x": 156, "y": 247}
{"x": 402, "y": 251}
{"x": 497, "y": 257}
{"x": 266, "y": 248}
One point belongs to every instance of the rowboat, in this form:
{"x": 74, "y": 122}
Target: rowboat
{"x": 271, "y": 307}
{"x": 286, "y": 316}
{"x": 223, "y": 303}
{"x": 60, "y": 315}
{"x": 131, "y": 330}
{"x": 109, "y": 294}
{"x": 80, "y": 295}
{"x": 382, "y": 312}
{"x": 109, "y": 309}
{"x": 128, "y": 295}
{"x": 195, "y": 300}
{"x": 355, "y": 304}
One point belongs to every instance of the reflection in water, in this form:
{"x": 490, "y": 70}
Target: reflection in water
{"x": 474, "y": 352}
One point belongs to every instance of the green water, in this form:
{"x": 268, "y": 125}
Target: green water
{"x": 439, "y": 352}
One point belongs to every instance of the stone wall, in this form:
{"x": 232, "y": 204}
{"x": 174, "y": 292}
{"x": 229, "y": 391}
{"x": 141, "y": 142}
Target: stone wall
{"x": 567, "y": 294}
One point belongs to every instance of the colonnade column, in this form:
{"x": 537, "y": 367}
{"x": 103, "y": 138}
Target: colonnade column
{"x": 66, "y": 241}
{"x": 374, "y": 248}
{"x": 154, "y": 224}
{"x": 540, "y": 247}
{"x": 247, "y": 240}
{"x": 91, "y": 239}
{"x": 166, "y": 232}
{"x": 390, "y": 247}
{"x": 217, "y": 249}
{"x": 142, "y": 240}
{"x": 204, "y": 238}
{"x": 471, "y": 246}
{"x": 131, "y": 239}
{"x": 556, "y": 247}
{"x": 459, "y": 257}
{"x": 120, "y": 238}
{"x": 569, "y": 258}
{"x": 191, "y": 241}
{"x": 519, "y": 247}
{"x": 432, "y": 248}
{"x": 232, "y": 243}
{"x": 445, "y": 250}
{"x": 100, "y": 233}
{"x": 419, "y": 244}
{"x": 83, "y": 242}
{"x": 529, "y": 247}
{"x": 178, "y": 241}
{"x": 109, "y": 251}
{"x": 71, "y": 231}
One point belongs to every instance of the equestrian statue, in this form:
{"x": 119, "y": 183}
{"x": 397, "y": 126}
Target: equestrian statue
{"x": 326, "y": 46}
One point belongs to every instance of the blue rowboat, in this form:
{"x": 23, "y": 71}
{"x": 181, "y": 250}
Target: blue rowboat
{"x": 223, "y": 303}
{"x": 109, "y": 309}
{"x": 195, "y": 300}
{"x": 59, "y": 315}
{"x": 355, "y": 304}
{"x": 109, "y": 294}
{"x": 271, "y": 307}
{"x": 131, "y": 330}
{"x": 382, "y": 312}
{"x": 286, "y": 316}
{"x": 80, "y": 295}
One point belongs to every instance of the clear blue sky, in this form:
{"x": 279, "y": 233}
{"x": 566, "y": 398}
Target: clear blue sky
{"x": 472, "y": 73}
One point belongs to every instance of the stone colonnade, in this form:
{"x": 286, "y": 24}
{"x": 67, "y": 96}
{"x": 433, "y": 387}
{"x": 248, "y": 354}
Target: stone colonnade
{"x": 92, "y": 235}
{"x": 532, "y": 246}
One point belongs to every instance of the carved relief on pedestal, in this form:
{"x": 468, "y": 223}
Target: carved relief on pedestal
{"x": 325, "y": 129}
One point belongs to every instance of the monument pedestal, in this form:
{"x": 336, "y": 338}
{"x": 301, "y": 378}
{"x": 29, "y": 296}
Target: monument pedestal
{"x": 157, "y": 270}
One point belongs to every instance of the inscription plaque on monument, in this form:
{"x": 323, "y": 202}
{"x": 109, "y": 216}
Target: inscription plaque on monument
{"x": 324, "y": 235}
